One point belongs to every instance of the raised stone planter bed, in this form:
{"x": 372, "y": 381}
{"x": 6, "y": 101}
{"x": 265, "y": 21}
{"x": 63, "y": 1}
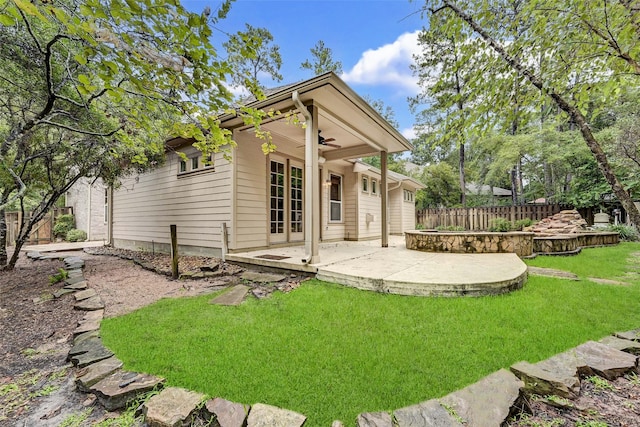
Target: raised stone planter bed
{"x": 569, "y": 244}
{"x": 518, "y": 242}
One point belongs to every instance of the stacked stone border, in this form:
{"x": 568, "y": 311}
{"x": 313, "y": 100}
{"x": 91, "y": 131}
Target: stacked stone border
{"x": 488, "y": 402}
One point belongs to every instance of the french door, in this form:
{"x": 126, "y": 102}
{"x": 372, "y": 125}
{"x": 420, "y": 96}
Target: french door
{"x": 286, "y": 203}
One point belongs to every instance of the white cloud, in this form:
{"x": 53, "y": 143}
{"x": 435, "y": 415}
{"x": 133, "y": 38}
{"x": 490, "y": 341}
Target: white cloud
{"x": 409, "y": 133}
{"x": 388, "y": 64}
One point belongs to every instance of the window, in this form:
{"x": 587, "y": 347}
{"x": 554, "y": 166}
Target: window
{"x": 183, "y": 166}
{"x": 408, "y": 196}
{"x": 335, "y": 198}
{"x": 296, "y": 188}
{"x": 194, "y": 163}
{"x": 277, "y": 186}
{"x": 365, "y": 184}
{"x": 374, "y": 186}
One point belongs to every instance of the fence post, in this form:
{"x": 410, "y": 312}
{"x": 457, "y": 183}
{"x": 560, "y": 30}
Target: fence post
{"x": 174, "y": 251}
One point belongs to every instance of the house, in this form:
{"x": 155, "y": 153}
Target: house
{"x": 311, "y": 189}
{"x": 89, "y": 199}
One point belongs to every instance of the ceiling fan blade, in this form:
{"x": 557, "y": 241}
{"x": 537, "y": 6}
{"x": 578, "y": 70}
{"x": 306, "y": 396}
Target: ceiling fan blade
{"x": 332, "y": 145}
{"x": 329, "y": 140}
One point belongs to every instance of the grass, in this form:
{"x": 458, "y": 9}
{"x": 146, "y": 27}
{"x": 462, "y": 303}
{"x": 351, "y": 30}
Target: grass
{"x": 332, "y": 352}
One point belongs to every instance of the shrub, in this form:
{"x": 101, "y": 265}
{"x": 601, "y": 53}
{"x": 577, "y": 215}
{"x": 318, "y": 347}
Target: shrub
{"x": 500, "y": 224}
{"x": 522, "y": 223}
{"x": 450, "y": 228}
{"x": 75, "y": 235}
{"x": 627, "y": 233}
{"x": 63, "y": 224}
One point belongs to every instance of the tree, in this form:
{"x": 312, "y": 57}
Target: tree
{"x": 93, "y": 88}
{"x": 441, "y": 187}
{"x": 252, "y": 54}
{"x": 394, "y": 162}
{"x": 589, "y": 49}
{"x": 322, "y": 60}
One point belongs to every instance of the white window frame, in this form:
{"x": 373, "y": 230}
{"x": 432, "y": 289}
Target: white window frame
{"x": 374, "y": 187}
{"x": 333, "y": 202}
{"x": 194, "y": 164}
{"x": 365, "y": 184}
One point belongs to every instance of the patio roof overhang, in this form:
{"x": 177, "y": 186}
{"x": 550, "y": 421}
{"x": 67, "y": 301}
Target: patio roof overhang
{"x": 343, "y": 115}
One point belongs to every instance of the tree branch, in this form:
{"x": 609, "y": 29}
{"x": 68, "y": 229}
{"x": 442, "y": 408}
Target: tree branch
{"x": 80, "y": 131}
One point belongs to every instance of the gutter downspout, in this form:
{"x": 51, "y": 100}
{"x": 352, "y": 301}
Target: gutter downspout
{"x": 310, "y": 182}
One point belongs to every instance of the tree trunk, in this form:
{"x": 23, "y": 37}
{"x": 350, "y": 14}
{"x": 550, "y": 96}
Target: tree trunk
{"x": 463, "y": 186}
{"x": 3, "y": 238}
{"x": 514, "y": 187}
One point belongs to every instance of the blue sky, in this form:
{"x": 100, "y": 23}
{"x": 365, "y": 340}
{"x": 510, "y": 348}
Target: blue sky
{"x": 374, "y": 40}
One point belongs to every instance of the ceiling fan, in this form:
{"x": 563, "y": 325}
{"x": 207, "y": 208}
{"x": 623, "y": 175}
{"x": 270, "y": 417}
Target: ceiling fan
{"x": 327, "y": 141}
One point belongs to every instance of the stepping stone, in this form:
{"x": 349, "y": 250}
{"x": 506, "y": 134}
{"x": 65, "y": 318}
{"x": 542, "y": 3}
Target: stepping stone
{"x": 337, "y": 423}
{"x": 94, "y": 315}
{"x": 550, "y": 272}
{"x": 121, "y": 387}
{"x": 262, "y": 415}
{"x": 77, "y": 286}
{"x": 558, "y": 375}
{"x": 73, "y": 280}
{"x": 606, "y": 361}
{"x": 254, "y": 276}
{"x": 227, "y": 413}
{"x": 61, "y": 292}
{"x": 73, "y": 260}
{"x": 86, "y": 294}
{"x": 34, "y": 255}
{"x": 627, "y": 346}
{"x": 232, "y": 297}
{"x": 92, "y": 374}
{"x": 173, "y": 407}
{"x": 374, "y": 419}
{"x": 429, "y": 413}
{"x": 607, "y": 282}
{"x": 89, "y": 351}
{"x": 633, "y": 335}
{"x": 90, "y": 304}
{"x": 87, "y": 326}
{"x": 81, "y": 337}
{"x": 486, "y": 403}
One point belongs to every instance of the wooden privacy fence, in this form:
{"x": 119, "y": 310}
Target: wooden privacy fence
{"x": 42, "y": 232}
{"x": 480, "y": 218}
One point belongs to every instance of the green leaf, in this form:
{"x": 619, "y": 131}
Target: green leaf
{"x": 80, "y": 59}
{"x": 7, "y": 20}
{"x": 82, "y": 78}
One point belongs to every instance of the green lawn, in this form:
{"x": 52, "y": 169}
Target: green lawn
{"x": 332, "y": 352}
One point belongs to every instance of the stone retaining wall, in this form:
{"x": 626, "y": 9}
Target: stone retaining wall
{"x": 520, "y": 243}
{"x": 572, "y": 243}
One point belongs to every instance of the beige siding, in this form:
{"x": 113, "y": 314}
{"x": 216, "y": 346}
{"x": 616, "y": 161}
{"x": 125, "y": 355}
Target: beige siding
{"x": 250, "y": 222}
{"x": 370, "y": 204}
{"x": 336, "y": 230}
{"x": 198, "y": 203}
{"x": 88, "y": 202}
{"x": 409, "y": 214}
{"x": 396, "y": 211}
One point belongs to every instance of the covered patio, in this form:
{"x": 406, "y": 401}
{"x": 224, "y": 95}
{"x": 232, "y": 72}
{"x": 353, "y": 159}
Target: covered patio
{"x": 395, "y": 269}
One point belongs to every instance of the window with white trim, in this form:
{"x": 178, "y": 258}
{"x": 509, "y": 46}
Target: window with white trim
{"x": 335, "y": 198}
{"x": 196, "y": 163}
{"x": 365, "y": 184}
{"x": 408, "y": 196}
{"x": 374, "y": 186}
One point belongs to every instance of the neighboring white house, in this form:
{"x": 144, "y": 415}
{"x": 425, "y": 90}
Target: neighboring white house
{"x": 89, "y": 199}
{"x": 311, "y": 189}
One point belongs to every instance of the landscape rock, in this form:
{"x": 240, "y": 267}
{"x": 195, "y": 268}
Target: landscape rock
{"x": 606, "y": 361}
{"x": 234, "y": 296}
{"x": 564, "y": 222}
{"x": 61, "y": 292}
{"x": 558, "y": 375}
{"x": 78, "y": 286}
{"x": 73, "y": 279}
{"x": 262, "y": 415}
{"x": 95, "y": 372}
{"x": 94, "y": 315}
{"x": 374, "y": 419}
{"x": 633, "y": 335}
{"x": 258, "y": 277}
{"x": 487, "y": 402}
{"x": 426, "y": 414}
{"x": 226, "y": 413}
{"x": 86, "y": 294}
{"x": 627, "y": 346}
{"x": 89, "y": 351}
{"x": 86, "y": 335}
{"x": 337, "y": 423}
{"x": 90, "y": 304}
{"x": 119, "y": 388}
{"x": 172, "y": 407}
{"x": 607, "y": 281}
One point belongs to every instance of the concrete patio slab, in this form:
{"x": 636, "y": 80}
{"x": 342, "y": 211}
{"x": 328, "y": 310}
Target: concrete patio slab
{"x": 396, "y": 269}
